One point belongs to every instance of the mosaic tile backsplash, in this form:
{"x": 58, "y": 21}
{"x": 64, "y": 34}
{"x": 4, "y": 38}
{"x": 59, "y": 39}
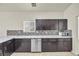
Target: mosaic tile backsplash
{"x": 39, "y": 32}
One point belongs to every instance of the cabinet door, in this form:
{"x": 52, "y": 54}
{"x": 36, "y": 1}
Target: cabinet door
{"x": 60, "y": 46}
{"x": 53, "y": 45}
{"x": 46, "y": 24}
{"x": 1, "y": 50}
{"x": 67, "y": 45}
{"x": 49, "y": 45}
{"x": 62, "y": 24}
{"x": 45, "y": 45}
{"x": 22, "y": 45}
{"x": 8, "y": 47}
{"x": 64, "y": 44}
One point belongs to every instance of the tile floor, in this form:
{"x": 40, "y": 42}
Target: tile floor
{"x": 43, "y": 54}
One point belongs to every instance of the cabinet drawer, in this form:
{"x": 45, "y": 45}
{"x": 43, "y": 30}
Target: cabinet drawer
{"x": 22, "y": 45}
{"x": 50, "y": 40}
{"x": 68, "y": 39}
{"x": 65, "y": 39}
{"x": 53, "y": 40}
{"x": 45, "y": 40}
{"x": 49, "y": 45}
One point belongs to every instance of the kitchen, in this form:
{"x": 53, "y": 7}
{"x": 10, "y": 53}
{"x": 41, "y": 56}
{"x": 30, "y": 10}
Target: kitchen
{"x": 36, "y": 31}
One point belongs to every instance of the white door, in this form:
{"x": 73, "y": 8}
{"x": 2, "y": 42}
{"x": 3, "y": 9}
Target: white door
{"x": 78, "y": 27}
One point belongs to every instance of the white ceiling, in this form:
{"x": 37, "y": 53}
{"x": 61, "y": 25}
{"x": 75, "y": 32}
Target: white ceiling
{"x": 58, "y": 7}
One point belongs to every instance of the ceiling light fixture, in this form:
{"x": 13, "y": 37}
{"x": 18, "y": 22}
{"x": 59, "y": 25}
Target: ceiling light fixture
{"x": 33, "y": 4}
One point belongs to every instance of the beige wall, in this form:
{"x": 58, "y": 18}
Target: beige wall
{"x": 14, "y": 20}
{"x": 71, "y": 14}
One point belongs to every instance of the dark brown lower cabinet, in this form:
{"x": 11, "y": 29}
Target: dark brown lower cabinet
{"x": 22, "y": 45}
{"x": 64, "y": 44}
{"x": 67, "y": 46}
{"x": 7, "y": 48}
{"x": 49, "y": 45}
{"x": 56, "y": 45}
{"x": 1, "y": 51}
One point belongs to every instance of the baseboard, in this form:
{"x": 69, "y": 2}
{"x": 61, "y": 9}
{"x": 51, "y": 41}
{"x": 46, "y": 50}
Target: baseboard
{"x": 75, "y": 54}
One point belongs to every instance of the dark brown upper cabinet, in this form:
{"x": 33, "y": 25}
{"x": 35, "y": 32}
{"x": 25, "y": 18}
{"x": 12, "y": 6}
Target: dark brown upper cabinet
{"x": 51, "y": 24}
{"x": 62, "y": 24}
{"x": 46, "y": 24}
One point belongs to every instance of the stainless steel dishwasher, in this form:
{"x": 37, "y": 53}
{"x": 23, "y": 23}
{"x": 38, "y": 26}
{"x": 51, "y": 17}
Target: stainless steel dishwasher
{"x": 36, "y": 45}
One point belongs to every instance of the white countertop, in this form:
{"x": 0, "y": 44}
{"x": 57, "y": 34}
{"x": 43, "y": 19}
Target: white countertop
{"x": 6, "y": 38}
